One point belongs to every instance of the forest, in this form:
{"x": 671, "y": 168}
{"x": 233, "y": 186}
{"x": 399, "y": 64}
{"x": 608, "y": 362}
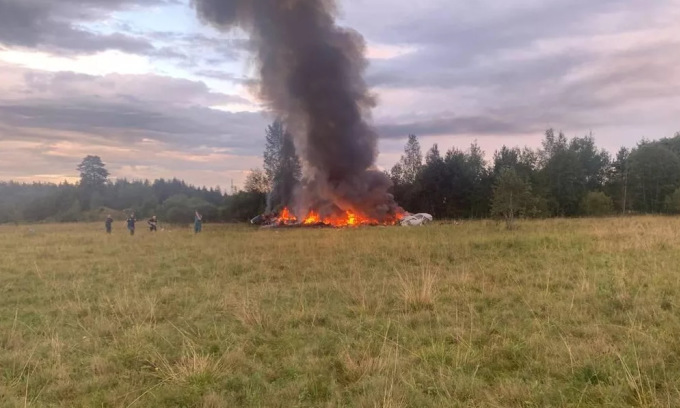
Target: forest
{"x": 562, "y": 178}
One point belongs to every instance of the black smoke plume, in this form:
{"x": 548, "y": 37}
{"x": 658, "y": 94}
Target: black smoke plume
{"x": 312, "y": 77}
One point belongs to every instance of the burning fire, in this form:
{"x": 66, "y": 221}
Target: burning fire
{"x": 346, "y": 219}
{"x": 312, "y": 218}
{"x": 286, "y": 217}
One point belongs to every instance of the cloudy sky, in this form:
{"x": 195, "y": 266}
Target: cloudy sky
{"x": 146, "y": 86}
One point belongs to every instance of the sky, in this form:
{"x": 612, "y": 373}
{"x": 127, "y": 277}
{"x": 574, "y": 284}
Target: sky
{"x": 155, "y": 93}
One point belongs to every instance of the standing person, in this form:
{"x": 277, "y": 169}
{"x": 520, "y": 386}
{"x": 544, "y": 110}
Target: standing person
{"x": 131, "y": 224}
{"x": 198, "y": 223}
{"x": 153, "y": 224}
{"x": 108, "y": 223}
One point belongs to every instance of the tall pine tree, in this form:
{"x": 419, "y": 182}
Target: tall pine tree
{"x": 282, "y": 166}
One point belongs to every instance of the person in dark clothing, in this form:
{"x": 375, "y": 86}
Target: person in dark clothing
{"x": 131, "y": 224}
{"x": 198, "y": 223}
{"x": 153, "y": 224}
{"x": 108, "y": 223}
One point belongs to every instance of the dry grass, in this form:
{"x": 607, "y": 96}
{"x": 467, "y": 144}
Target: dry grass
{"x": 191, "y": 366}
{"x": 558, "y": 313}
{"x": 419, "y": 292}
{"x": 247, "y": 312}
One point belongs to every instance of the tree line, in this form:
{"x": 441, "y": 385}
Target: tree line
{"x": 563, "y": 178}
{"x": 96, "y": 196}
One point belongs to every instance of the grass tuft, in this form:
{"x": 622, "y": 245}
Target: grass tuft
{"x": 419, "y": 293}
{"x": 190, "y": 367}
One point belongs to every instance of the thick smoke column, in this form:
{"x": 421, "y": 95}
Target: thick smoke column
{"x": 311, "y": 72}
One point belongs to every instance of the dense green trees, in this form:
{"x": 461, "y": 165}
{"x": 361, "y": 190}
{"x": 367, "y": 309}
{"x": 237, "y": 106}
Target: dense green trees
{"x": 168, "y": 199}
{"x": 564, "y": 178}
{"x": 654, "y": 174}
{"x": 597, "y": 204}
{"x": 512, "y": 196}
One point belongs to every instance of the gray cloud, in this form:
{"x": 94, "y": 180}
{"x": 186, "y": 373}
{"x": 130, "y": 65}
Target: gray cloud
{"x": 146, "y": 89}
{"x": 449, "y": 125}
{"x": 56, "y": 26}
{"x": 196, "y": 50}
{"x": 223, "y": 76}
{"x": 517, "y": 68}
{"x": 63, "y": 27}
{"x": 142, "y": 125}
{"x": 451, "y": 51}
{"x": 465, "y": 30}
{"x": 123, "y": 109}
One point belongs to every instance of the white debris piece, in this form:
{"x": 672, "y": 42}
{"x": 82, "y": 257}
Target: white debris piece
{"x": 416, "y": 219}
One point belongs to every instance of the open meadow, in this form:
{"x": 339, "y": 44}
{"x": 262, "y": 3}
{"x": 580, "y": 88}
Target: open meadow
{"x": 559, "y": 313}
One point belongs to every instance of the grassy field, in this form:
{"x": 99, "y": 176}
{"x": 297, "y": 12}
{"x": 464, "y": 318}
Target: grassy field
{"x": 559, "y": 313}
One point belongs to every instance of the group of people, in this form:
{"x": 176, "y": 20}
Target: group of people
{"x": 152, "y": 223}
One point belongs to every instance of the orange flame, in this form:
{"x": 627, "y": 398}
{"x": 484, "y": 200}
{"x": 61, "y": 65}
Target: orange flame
{"x": 312, "y": 219}
{"x": 347, "y": 219}
{"x": 286, "y": 217}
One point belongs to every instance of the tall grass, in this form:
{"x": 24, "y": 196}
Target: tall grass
{"x": 557, "y": 313}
